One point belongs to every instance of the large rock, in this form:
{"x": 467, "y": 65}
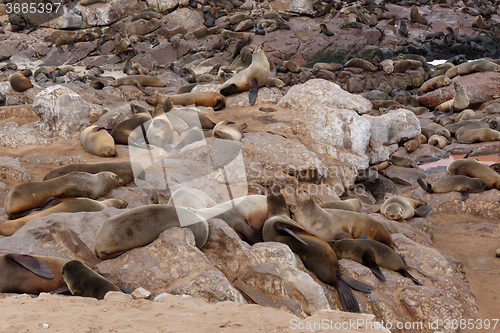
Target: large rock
{"x": 62, "y": 112}
{"x": 394, "y": 126}
{"x": 319, "y": 92}
{"x": 173, "y": 264}
{"x": 12, "y": 135}
{"x": 12, "y": 169}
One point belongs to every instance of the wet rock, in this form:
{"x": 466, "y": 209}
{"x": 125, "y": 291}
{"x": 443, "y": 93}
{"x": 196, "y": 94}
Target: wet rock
{"x": 403, "y": 176}
{"x": 283, "y": 155}
{"x": 12, "y": 135}
{"x": 62, "y": 112}
{"x": 172, "y": 263}
{"x": 12, "y": 169}
{"x": 321, "y": 92}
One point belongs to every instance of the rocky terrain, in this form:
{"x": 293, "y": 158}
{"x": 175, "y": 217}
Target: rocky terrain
{"x": 328, "y": 131}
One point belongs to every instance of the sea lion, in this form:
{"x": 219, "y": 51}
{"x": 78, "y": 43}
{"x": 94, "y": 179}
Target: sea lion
{"x": 122, "y": 45}
{"x": 353, "y": 205}
{"x": 478, "y": 135}
{"x": 124, "y": 170}
{"x": 192, "y": 118}
{"x": 437, "y": 140}
{"x": 228, "y": 130}
{"x": 432, "y": 128}
{"x": 146, "y": 15}
{"x": 227, "y": 34}
{"x": 19, "y": 82}
{"x": 387, "y": 66}
{"x": 324, "y": 29}
{"x": 475, "y": 169}
{"x": 361, "y": 63}
{"x": 208, "y": 17}
{"x": 237, "y": 18}
{"x": 140, "y": 81}
{"x": 402, "y": 161}
{"x": 419, "y": 110}
{"x": 251, "y": 78}
{"x": 64, "y": 205}
{"x": 124, "y": 133}
{"x": 384, "y": 103}
{"x": 326, "y": 66}
{"x": 91, "y": 2}
{"x": 97, "y": 141}
{"x": 332, "y": 224}
{"x": 315, "y": 253}
{"x": 371, "y": 254}
{"x": 22, "y": 273}
{"x": 492, "y": 108}
{"x": 443, "y": 120}
{"x": 404, "y": 65}
{"x": 481, "y": 65}
{"x": 401, "y": 208}
{"x": 465, "y": 115}
{"x": 191, "y": 197}
{"x": 413, "y": 144}
{"x": 462, "y": 184}
{"x": 211, "y": 99}
{"x": 189, "y": 136}
{"x": 246, "y": 215}
{"x": 415, "y": 16}
{"x": 160, "y": 131}
{"x": 83, "y": 281}
{"x": 142, "y": 225}
{"x": 178, "y": 124}
{"x": 27, "y": 196}
{"x": 403, "y": 29}
{"x": 480, "y": 23}
{"x": 434, "y": 83}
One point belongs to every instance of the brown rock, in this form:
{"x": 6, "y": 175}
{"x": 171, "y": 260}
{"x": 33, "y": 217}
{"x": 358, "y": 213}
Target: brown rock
{"x": 403, "y": 176}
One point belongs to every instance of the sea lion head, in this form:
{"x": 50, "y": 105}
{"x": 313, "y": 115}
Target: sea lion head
{"x": 394, "y": 211}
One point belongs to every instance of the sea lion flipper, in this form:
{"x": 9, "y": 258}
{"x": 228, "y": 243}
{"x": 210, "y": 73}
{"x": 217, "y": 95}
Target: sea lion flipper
{"x": 464, "y": 195}
{"x": 60, "y": 49}
{"x": 405, "y": 273}
{"x": 142, "y": 88}
{"x": 249, "y": 233}
{"x": 422, "y": 211}
{"x": 61, "y": 291}
{"x": 229, "y": 90}
{"x": 347, "y": 298}
{"x": 356, "y": 285}
{"x": 363, "y": 237}
{"x": 32, "y": 264}
{"x": 369, "y": 261}
{"x": 423, "y": 185}
{"x": 284, "y": 230}
{"x": 253, "y": 90}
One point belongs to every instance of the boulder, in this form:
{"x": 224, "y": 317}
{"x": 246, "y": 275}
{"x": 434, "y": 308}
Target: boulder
{"x": 11, "y": 168}
{"x": 394, "y": 126}
{"x": 12, "y": 135}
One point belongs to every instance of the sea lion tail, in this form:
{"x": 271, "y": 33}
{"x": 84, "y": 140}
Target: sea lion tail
{"x": 347, "y": 298}
{"x": 405, "y": 273}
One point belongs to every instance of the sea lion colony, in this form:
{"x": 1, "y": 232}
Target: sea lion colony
{"x": 172, "y": 126}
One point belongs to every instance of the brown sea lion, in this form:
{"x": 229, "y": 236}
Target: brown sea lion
{"x": 481, "y": 65}
{"x": 189, "y": 136}
{"x": 327, "y": 66}
{"x": 97, "y": 141}
{"x": 64, "y": 205}
{"x": 478, "y": 135}
{"x": 211, "y": 99}
{"x": 401, "y": 208}
{"x": 83, "y": 281}
{"x": 492, "y": 108}
{"x": 275, "y": 82}
{"x": 465, "y": 115}
{"x": 415, "y": 16}
{"x": 140, "y": 81}
{"x": 475, "y": 169}
{"x": 192, "y": 118}
{"x": 384, "y": 103}
{"x": 432, "y": 128}
{"x": 462, "y": 184}
{"x": 434, "y": 83}
{"x": 361, "y": 63}
{"x": 142, "y": 225}
{"x": 191, "y": 197}
{"x": 19, "y": 82}
{"x": 402, "y": 161}
{"x": 227, "y": 130}
{"x": 353, "y": 205}
{"x": 413, "y": 144}
{"x": 160, "y": 131}
{"x": 22, "y": 273}
{"x": 437, "y": 140}
{"x": 372, "y": 254}
{"x": 387, "y": 66}
{"x": 124, "y": 170}
{"x": 251, "y": 78}
{"x": 404, "y": 65}
{"x": 124, "y": 133}
{"x": 27, "y": 196}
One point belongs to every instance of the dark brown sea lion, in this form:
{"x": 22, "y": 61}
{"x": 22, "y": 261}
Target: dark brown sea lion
{"x": 462, "y": 184}
{"x": 19, "y": 82}
{"x": 475, "y": 169}
{"x": 413, "y": 144}
{"x": 361, "y": 63}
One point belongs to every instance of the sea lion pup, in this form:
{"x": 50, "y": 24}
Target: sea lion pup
{"x": 124, "y": 170}
{"x": 83, "y": 281}
{"x": 124, "y": 132}
{"x": 413, "y": 144}
{"x": 415, "y": 16}
{"x": 19, "y": 82}
{"x": 191, "y": 197}
{"x": 65, "y": 205}
{"x": 443, "y": 120}
{"x": 142, "y": 225}
{"x": 462, "y": 184}
{"x": 274, "y": 82}
{"x": 122, "y": 45}
{"x": 327, "y": 66}
{"x": 27, "y": 196}
{"x": 97, "y": 141}
{"x": 189, "y": 136}
{"x": 354, "y": 205}
{"x": 371, "y": 254}
{"x": 492, "y": 108}
{"x": 432, "y": 128}
{"x": 434, "y": 83}
{"x": 140, "y": 81}
{"x": 384, "y": 103}
{"x": 130, "y": 68}
{"x": 404, "y": 65}
{"x": 401, "y": 208}
{"x": 332, "y": 224}
{"x": 245, "y": 215}
{"x": 475, "y": 169}
{"x": 480, "y": 23}
{"x": 160, "y": 131}
{"x": 324, "y": 29}
{"x": 315, "y": 253}
{"x": 251, "y": 78}
{"x": 227, "y": 130}
{"x": 361, "y": 63}
{"x": 211, "y": 99}
{"x": 402, "y": 161}
{"x": 45, "y": 70}
{"x": 387, "y": 66}
{"x": 22, "y": 273}
{"x": 478, "y": 135}
{"x": 437, "y": 140}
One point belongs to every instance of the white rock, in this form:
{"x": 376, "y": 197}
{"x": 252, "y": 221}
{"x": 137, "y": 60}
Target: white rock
{"x": 394, "y": 126}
